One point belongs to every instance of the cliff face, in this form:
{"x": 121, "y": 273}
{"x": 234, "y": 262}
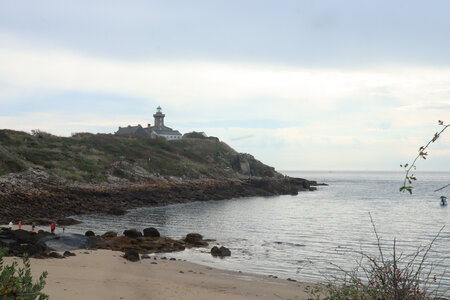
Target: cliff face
{"x": 247, "y": 165}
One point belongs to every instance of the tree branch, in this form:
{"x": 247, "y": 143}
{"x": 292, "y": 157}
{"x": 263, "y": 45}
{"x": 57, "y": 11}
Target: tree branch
{"x": 409, "y": 177}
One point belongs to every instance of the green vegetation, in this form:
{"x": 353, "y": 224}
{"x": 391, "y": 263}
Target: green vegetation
{"x": 17, "y": 283}
{"x": 86, "y": 157}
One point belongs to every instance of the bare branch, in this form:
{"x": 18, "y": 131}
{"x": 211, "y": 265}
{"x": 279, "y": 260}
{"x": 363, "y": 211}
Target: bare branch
{"x": 422, "y": 154}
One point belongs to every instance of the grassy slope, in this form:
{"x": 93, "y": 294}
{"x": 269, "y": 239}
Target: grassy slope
{"x": 90, "y": 158}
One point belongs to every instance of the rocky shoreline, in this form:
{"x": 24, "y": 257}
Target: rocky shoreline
{"x": 32, "y": 201}
{"x": 133, "y": 243}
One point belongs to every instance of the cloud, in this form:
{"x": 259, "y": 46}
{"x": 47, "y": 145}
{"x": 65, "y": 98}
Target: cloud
{"x": 204, "y": 81}
{"x": 338, "y": 117}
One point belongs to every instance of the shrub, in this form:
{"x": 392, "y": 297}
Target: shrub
{"x": 17, "y": 283}
{"x": 384, "y": 276}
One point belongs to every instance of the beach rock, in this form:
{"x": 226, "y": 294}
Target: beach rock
{"x": 131, "y": 255}
{"x": 151, "y": 232}
{"x": 69, "y": 241}
{"x": 67, "y": 221}
{"x": 20, "y": 235}
{"x": 68, "y": 253}
{"x": 132, "y": 233}
{"x": 195, "y": 239}
{"x": 54, "y": 255}
{"x": 221, "y": 252}
{"x": 33, "y": 250}
{"x": 109, "y": 234}
{"x": 89, "y": 233}
{"x": 41, "y": 234}
{"x": 7, "y": 243}
{"x": 117, "y": 211}
{"x": 39, "y": 221}
{"x": 145, "y": 256}
{"x": 293, "y": 191}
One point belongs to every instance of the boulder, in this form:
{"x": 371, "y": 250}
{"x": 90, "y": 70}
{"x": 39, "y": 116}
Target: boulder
{"x": 32, "y": 249}
{"x": 68, "y": 241}
{"x": 151, "y": 232}
{"x": 7, "y": 243}
{"x": 89, "y": 233}
{"x": 195, "y": 239}
{"x": 54, "y": 255}
{"x": 131, "y": 255}
{"x": 68, "y": 253}
{"x": 132, "y": 233}
{"x": 109, "y": 234}
{"x": 221, "y": 252}
{"x": 24, "y": 236}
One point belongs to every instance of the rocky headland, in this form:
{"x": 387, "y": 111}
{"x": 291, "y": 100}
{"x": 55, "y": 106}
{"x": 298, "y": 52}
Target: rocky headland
{"x": 45, "y": 178}
{"x": 42, "y": 203}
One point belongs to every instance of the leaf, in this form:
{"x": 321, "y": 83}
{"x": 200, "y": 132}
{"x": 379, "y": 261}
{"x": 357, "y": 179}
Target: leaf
{"x": 436, "y": 136}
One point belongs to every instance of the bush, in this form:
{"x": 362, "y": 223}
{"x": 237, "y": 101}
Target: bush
{"x": 17, "y": 283}
{"x": 389, "y": 277}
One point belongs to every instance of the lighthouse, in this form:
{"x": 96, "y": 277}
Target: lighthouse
{"x": 159, "y": 119}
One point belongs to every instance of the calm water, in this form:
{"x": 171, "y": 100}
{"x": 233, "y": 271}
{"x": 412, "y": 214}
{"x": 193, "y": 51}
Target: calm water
{"x": 298, "y": 236}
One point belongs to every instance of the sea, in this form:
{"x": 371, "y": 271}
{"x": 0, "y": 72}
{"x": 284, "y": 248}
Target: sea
{"x": 311, "y": 236}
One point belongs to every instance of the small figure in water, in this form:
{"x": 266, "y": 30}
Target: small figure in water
{"x": 20, "y": 224}
{"x": 443, "y": 200}
{"x": 64, "y": 228}
{"x": 10, "y": 225}
{"x": 52, "y": 228}
{"x": 33, "y": 226}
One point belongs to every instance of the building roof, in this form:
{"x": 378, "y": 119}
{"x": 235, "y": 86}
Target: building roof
{"x": 135, "y": 130}
{"x": 166, "y": 132}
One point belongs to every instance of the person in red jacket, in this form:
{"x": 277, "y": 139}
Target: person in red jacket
{"x": 52, "y": 227}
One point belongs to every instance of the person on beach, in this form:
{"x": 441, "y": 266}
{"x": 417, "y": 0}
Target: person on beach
{"x": 52, "y": 228}
{"x": 64, "y": 228}
{"x": 20, "y": 224}
{"x": 33, "y": 226}
{"x": 10, "y": 225}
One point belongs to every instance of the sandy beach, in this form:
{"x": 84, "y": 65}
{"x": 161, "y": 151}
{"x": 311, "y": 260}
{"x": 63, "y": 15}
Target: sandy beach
{"x": 104, "y": 274}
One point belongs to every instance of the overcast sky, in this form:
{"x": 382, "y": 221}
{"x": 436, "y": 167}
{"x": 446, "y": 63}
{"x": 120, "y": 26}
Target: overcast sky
{"x": 301, "y": 85}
